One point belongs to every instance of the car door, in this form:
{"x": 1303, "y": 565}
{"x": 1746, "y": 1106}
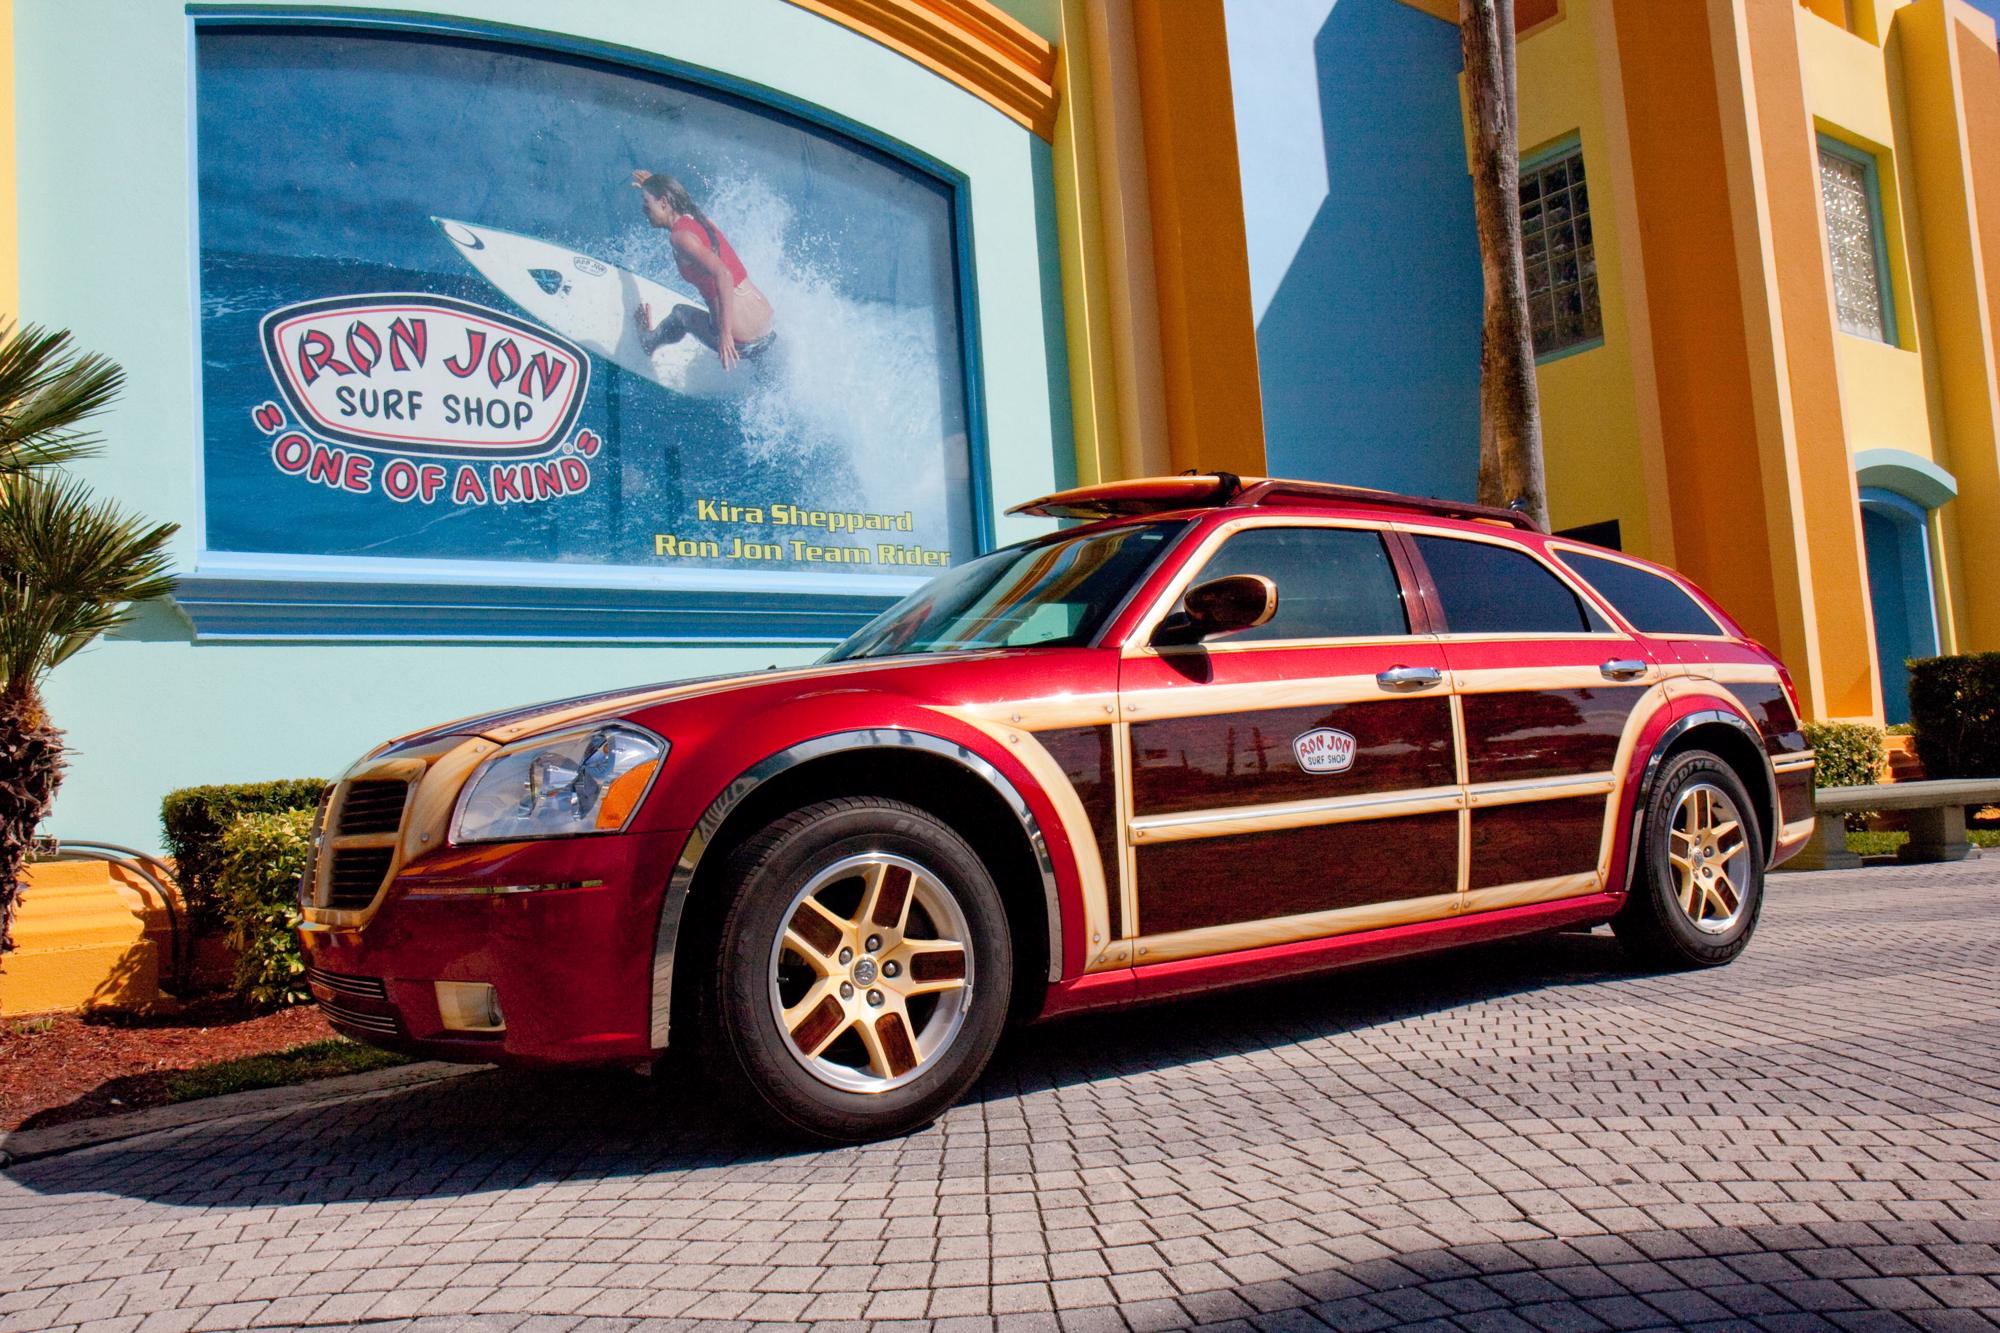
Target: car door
{"x": 1296, "y": 780}
{"x": 1547, "y": 690}
{"x": 1674, "y": 621}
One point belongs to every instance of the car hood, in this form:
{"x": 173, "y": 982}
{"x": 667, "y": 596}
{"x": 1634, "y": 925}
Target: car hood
{"x": 512, "y": 724}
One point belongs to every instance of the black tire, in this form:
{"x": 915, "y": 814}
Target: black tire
{"x": 753, "y": 1053}
{"x": 1653, "y": 925}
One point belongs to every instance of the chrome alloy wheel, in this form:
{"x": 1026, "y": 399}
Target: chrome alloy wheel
{"x": 872, "y": 974}
{"x": 1709, "y": 849}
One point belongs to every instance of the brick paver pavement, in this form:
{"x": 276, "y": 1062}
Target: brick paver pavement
{"x": 1530, "y": 1137}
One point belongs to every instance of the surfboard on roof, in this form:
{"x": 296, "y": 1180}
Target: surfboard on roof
{"x": 592, "y": 303}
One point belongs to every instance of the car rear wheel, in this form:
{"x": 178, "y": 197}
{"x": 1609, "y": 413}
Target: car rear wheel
{"x": 864, "y": 971}
{"x": 1701, "y": 875}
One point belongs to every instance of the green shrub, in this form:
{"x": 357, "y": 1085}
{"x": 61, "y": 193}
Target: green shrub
{"x": 1955, "y": 702}
{"x": 1846, "y": 754}
{"x": 194, "y": 819}
{"x": 263, "y": 858}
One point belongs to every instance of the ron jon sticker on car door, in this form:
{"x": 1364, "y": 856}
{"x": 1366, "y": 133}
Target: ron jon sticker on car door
{"x": 1324, "y": 750}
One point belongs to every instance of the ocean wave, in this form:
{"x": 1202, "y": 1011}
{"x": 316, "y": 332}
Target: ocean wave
{"x": 852, "y": 411}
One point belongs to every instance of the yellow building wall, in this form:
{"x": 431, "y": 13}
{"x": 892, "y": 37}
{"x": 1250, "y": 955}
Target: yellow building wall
{"x": 1603, "y": 462}
{"x": 1951, "y": 122}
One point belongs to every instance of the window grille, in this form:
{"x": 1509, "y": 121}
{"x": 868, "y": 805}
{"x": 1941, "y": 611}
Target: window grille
{"x": 1854, "y": 243}
{"x": 1558, "y": 254}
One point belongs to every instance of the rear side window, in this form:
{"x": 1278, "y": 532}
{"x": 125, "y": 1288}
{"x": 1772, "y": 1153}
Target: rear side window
{"x": 1654, "y": 605}
{"x": 1333, "y": 583}
{"x": 1489, "y": 589}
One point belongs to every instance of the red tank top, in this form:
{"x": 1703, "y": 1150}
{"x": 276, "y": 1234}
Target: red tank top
{"x": 692, "y": 233}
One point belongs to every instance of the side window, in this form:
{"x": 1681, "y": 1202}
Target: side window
{"x": 1333, "y": 583}
{"x": 1654, "y": 605}
{"x": 1489, "y": 589}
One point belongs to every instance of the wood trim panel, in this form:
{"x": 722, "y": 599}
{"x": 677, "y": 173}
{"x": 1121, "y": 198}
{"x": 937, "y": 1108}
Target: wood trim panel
{"x": 1191, "y": 885}
{"x": 1085, "y": 756}
{"x": 1101, "y": 949}
{"x": 1528, "y": 734}
{"x": 1795, "y": 797}
{"x": 1293, "y": 814}
{"x": 1770, "y": 708}
{"x": 1220, "y": 940}
{"x": 973, "y": 43}
{"x": 1241, "y": 759}
{"x": 1515, "y": 844}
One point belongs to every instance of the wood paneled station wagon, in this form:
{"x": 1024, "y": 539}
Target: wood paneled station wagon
{"x": 1220, "y": 731}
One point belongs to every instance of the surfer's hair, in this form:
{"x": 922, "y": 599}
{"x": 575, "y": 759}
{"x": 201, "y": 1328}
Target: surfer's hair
{"x": 662, "y": 186}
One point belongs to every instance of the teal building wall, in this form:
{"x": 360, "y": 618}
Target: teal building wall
{"x": 107, "y": 250}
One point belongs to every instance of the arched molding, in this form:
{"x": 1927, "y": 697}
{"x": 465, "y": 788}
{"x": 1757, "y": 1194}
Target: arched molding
{"x": 1906, "y": 474}
{"x": 973, "y": 43}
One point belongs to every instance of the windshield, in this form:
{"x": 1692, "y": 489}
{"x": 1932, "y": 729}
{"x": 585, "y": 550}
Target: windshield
{"x": 1055, "y": 593}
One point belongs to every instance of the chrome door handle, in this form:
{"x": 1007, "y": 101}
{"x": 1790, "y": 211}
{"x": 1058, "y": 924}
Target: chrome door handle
{"x": 1409, "y": 678}
{"x": 1623, "y": 668}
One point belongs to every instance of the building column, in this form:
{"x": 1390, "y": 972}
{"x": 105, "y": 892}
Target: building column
{"x": 1952, "y": 74}
{"x": 1715, "y": 357}
{"x": 1208, "y": 335}
{"x": 1793, "y": 232}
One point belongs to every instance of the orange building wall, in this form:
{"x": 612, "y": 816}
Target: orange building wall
{"x": 1208, "y": 340}
{"x": 1828, "y": 493}
{"x": 1701, "y": 356}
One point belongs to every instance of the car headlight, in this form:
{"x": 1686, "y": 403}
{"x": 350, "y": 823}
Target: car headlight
{"x": 585, "y": 781}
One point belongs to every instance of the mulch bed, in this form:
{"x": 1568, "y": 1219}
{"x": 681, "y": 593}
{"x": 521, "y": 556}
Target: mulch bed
{"x": 68, "y": 1067}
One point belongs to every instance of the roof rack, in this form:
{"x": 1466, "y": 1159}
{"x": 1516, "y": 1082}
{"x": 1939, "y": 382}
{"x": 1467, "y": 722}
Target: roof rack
{"x": 1154, "y": 495}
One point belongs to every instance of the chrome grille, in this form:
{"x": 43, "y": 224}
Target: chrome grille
{"x": 366, "y": 988}
{"x": 373, "y": 805}
{"x": 357, "y": 874}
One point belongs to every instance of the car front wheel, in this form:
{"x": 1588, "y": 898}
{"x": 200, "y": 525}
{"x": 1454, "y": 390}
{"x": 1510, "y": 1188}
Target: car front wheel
{"x": 1701, "y": 876}
{"x": 864, "y": 971}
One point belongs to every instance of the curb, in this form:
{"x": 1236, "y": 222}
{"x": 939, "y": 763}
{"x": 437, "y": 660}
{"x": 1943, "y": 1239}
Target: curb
{"x": 26, "y": 1145}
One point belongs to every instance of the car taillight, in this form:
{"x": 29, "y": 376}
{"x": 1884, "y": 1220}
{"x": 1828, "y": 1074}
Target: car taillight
{"x": 1791, "y": 690}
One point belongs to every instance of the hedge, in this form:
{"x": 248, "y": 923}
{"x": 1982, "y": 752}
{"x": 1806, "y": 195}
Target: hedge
{"x": 263, "y": 858}
{"x": 1955, "y": 702}
{"x": 194, "y": 819}
{"x": 1846, "y": 754}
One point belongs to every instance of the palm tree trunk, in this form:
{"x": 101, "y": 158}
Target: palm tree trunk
{"x": 31, "y": 767}
{"x": 1510, "y": 425}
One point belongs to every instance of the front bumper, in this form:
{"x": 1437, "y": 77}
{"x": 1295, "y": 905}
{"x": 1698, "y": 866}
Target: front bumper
{"x": 572, "y": 964}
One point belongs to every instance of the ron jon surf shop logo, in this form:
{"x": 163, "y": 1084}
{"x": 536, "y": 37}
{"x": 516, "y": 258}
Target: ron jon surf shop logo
{"x": 1324, "y": 750}
{"x": 425, "y": 377}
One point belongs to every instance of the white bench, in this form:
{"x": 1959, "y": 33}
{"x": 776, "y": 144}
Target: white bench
{"x": 1937, "y": 820}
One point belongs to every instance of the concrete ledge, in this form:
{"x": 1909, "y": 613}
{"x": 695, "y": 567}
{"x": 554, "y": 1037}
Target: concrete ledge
{"x": 1909, "y": 795}
{"x": 25, "y": 1145}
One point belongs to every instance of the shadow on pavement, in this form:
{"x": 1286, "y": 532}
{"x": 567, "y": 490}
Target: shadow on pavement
{"x": 501, "y": 1129}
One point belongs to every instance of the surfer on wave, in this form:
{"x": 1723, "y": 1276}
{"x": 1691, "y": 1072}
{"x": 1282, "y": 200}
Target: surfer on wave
{"x": 738, "y": 321}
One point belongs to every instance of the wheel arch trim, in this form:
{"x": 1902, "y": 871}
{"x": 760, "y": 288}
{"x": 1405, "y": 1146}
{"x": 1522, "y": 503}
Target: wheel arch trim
{"x": 1662, "y": 747}
{"x": 681, "y": 882}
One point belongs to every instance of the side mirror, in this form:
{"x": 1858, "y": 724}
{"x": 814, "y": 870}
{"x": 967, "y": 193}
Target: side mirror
{"x": 1219, "y": 606}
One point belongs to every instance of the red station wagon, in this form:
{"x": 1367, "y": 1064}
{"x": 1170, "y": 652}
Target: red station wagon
{"x": 1225, "y": 730}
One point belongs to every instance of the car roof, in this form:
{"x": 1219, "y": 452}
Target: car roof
{"x": 1225, "y": 490}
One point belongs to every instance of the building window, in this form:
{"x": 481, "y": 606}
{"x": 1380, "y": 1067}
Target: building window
{"x": 1556, "y": 248}
{"x": 1856, "y": 244}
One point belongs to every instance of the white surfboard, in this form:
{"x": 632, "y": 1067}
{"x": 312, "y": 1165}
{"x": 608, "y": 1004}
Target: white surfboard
{"x": 592, "y": 303}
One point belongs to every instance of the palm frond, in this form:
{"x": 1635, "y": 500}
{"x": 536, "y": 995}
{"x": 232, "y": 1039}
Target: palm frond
{"x": 70, "y": 568}
{"x": 47, "y": 389}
